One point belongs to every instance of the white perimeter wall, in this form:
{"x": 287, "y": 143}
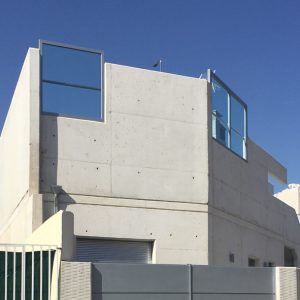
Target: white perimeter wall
{"x": 19, "y": 144}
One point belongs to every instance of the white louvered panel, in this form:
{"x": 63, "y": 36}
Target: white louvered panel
{"x": 286, "y": 284}
{"x": 76, "y": 280}
{"x": 121, "y": 251}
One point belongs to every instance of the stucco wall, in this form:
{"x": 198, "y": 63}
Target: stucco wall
{"x": 19, "y": 145}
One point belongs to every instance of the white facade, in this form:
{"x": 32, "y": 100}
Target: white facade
{"x": 150, "y": 172}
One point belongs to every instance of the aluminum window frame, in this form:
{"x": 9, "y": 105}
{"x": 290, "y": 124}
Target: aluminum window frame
{"x": 102, "y": 94}
{"x": 211, "y": 76}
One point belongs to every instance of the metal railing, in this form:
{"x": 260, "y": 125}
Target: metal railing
{"x": 29, "y": 272}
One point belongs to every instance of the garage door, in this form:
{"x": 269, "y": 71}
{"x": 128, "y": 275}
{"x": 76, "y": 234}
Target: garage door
{"x": 123, "y": 251}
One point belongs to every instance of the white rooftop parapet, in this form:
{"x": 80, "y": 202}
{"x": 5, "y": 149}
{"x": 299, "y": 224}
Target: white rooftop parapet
{"x": 291, "y": 196}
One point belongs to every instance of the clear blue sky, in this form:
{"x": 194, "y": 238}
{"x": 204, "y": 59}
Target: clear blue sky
{"x": 253, "y": 44}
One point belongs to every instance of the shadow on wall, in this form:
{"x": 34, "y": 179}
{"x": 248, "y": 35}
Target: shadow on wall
{"x": 49, "y": 153}
{"x": 97, "y": 283}
{"x": 55, "y": 198}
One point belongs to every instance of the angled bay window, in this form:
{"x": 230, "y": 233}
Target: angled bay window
{"x": 71, "y": 81}
{"x": 229, "y": 117}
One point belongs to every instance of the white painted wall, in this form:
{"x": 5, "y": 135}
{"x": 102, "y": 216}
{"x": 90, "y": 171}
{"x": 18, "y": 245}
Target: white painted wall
{"x": 19, "y": 148}
{"x": 57, "y": 231}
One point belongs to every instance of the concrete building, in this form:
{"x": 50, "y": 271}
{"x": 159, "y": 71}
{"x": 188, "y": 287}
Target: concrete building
{"x": 155, "y": 167}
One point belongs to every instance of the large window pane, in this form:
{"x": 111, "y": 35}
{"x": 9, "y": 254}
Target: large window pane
{"x": 228, "y": 127}
{"x": 220, "y": 102}
{"x": 71, "y": 101}
{"x": 71, "y": 66}
{"x": 71, "y": 81}
{"x": 237, "y": 116}
{"x": 237, "y": 144}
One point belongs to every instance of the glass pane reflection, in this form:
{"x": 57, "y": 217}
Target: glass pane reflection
{"x": 71, "y": 101}
{"x": 237, "y": 116}
{"x": 220, "y": 102}
{"x": 220, "y": 131}
{"x": 71, "y": 66}
{"x": 237, "y": 143}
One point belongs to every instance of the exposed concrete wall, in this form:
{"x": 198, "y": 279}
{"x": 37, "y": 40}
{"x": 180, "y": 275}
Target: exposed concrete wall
{"x": 19, "y": 163}
{"x": 180, "y": 236}
{"x": 246, "y": 219}
{"x": 152, "y": 145}
{"x": 155, "y": 147}
{"x": 134, "y": 175}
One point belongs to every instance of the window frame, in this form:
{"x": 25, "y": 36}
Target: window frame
{"x": 72, "y": 47}
{"x": 213, "y": 77}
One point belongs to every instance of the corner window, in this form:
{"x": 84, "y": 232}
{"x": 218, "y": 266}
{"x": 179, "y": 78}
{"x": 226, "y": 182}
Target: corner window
{"x": 229, "y": 117}
{"x": 71, "y": 81}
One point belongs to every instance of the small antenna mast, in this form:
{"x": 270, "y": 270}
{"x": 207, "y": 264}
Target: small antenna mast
{"x": 158, "y": 64}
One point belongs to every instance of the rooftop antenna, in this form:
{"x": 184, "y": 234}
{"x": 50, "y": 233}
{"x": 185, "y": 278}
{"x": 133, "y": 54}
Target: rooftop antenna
{"x": 158, "y": 63}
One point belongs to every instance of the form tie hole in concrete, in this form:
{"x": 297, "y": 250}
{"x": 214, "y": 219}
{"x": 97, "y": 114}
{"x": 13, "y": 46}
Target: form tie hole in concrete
{"x": 171, "y": 234}
{"x": 86, "y": 230}
{"x": 95, "y": 140}
{"x": 139, "y": 172}
{"x": 97, "y": 168}
{"x": 193, "y": 177}
{"x": 150, "y": 233}
{"x": 193, "y": 108}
